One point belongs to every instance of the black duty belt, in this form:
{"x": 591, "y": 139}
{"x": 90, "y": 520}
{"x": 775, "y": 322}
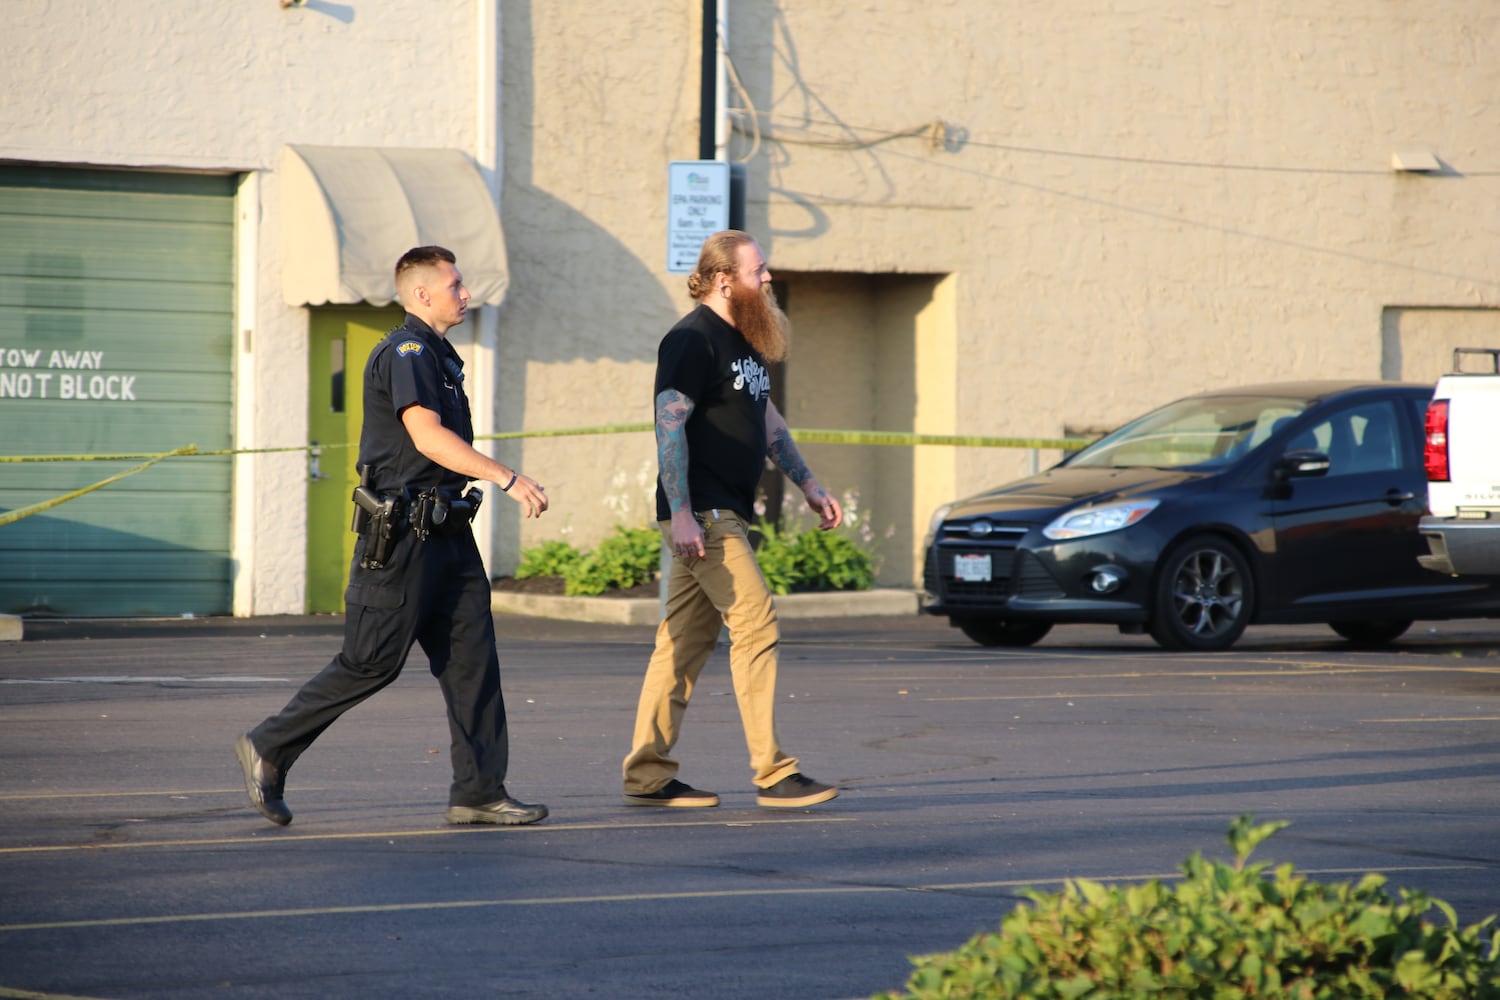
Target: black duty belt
{"x": 377, "y": 516}
{"x": 438, "y": 510}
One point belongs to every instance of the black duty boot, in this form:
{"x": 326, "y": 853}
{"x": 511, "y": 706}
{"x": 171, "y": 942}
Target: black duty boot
{"x": 263, "y": 782}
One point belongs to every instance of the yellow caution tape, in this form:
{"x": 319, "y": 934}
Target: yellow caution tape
{"x": 566, "y": 432}
{"x": 806, "y": 436}
{"x": 809, "y": 436}
{"x": 813, "y": 436}
{"x": 132, "y": 456}
{"x": 37, "y": 508}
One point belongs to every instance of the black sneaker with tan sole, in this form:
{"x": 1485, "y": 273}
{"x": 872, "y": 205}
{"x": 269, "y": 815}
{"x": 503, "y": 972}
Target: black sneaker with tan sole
{"x": 795, "y": 791}
{"x": 675, "y": 793}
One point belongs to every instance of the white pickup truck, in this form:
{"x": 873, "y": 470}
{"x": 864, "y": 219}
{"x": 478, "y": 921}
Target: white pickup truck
{"x": 1462, "y": 455}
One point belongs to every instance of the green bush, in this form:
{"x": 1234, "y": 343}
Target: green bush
{"x": 776, "y": 555}
{"x": 807, "y": 560}
{"x": 629, "y": 557}
{"x": 548, "y": 559}
{"x": 812, "y": 559}
{"x": 829, "y": 560}
{"x": 1223, "y": 931}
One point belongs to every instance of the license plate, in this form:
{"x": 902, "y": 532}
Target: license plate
{"x": 972, "y": 569}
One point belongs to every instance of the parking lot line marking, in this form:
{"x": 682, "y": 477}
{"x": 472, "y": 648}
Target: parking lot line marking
{"x": 286, "y": 838}
{"x": 1225, "y": 675}
{"x": 1440, "y": 718}
{"x": 1227, "y": 672}
{"x": 36, "y": 796}
{"x": 145, "y": 679}
{"x": 1290, "y": 668}
{"x": 9, "y": 994}
{"x": 1320, "y": 666}
{"x": 639, "y": 897}
{"x": 1051, "y": 696}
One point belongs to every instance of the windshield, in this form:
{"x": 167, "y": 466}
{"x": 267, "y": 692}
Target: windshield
{"x": 1204, "y": 432}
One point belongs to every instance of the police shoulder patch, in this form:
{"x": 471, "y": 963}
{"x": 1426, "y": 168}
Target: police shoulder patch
{"x": 409, "y": 347}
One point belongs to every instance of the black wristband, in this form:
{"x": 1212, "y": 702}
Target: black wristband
{"x": 507, "y": 486}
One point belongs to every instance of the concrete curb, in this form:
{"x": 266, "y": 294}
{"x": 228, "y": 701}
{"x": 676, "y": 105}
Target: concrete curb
{"x": 10, "y": 628}
{"x": 647, "y": 610}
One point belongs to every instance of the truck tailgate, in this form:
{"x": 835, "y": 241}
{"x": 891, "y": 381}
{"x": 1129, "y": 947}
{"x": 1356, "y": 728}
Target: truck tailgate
{"x": 1473, "y": 445}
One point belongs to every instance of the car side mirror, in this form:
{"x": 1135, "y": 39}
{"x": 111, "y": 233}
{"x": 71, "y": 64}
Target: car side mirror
{"x": 1302, "y": 465}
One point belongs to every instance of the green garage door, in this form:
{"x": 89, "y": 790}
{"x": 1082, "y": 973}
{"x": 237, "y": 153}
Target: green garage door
{"x": 116, "y": 325}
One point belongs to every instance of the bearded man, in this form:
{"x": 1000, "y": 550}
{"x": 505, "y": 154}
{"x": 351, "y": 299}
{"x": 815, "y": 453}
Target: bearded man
{"x": 715, "y": 425}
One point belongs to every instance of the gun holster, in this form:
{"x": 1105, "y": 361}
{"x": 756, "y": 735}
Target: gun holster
{"x": 375, "y": 518}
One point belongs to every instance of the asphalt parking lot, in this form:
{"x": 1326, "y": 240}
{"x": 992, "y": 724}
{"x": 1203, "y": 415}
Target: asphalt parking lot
{"x": 131, "y": 865}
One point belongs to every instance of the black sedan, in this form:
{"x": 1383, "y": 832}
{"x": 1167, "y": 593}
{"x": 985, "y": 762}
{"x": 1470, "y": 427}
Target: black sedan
{"x": 1283, "y": 503}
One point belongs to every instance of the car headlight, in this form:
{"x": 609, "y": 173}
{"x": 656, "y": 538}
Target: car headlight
{"x": 1085, "y": 521}
{"x": 937, "y": 518}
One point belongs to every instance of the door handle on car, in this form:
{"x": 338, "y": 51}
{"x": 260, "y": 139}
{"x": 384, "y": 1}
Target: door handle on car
{"x": 1395, "y": 497}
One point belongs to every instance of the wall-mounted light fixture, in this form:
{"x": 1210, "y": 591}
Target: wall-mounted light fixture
{"x": 291, "y": 3}
{"x": 1415, "y": 161}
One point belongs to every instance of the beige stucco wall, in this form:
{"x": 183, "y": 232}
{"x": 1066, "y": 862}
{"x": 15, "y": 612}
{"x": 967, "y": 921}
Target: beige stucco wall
{"x": 1146, "y": 203}
{"x": 596, "y": 100}
{"x": 222, "y": 87}
{"x": 1101, "y": 206}
{"x": 1125, "y": 202}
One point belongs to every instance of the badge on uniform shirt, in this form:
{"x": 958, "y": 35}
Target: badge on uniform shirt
{"x": 409, "y": 347}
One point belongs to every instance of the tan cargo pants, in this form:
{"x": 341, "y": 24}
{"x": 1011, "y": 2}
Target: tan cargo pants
{"x": 725, "y": 587}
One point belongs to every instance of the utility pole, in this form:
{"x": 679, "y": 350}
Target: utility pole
{"x": 709, "y": 111}
{"x": 708, "y": 90}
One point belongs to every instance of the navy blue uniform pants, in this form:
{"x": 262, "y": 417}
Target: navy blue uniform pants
{"x": 434, "y": 594}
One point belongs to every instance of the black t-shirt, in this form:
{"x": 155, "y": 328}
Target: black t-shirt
{"x": 411, "y": 366}
{"x": 711, "y": 363}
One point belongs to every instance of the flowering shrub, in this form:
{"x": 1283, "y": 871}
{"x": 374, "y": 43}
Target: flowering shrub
{"x": 633, "y": 496}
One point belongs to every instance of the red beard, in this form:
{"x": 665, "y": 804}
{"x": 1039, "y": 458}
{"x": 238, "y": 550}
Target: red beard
{"x": 761, "y": 321}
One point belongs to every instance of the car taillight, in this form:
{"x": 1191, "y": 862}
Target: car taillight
{"x": 1435, "y": 451}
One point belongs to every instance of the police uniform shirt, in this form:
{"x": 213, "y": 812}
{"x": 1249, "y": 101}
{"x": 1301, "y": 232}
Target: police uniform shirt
{"x": 412, "y": 366}
{"x": 710, "y": 362}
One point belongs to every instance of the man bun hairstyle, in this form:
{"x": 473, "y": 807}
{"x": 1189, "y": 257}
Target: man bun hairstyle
{"x": 718, "y": 256}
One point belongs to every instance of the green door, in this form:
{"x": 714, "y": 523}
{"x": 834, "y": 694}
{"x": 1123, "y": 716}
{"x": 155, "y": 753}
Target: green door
{"x": 116, "y": 329}
{"x": 339, "y": 340}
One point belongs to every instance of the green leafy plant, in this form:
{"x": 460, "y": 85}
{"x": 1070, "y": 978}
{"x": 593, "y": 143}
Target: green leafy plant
{"x": 812, "y": 559}
{"x": 830, "y": 560}
{"x": 777, "y": 558}
{"x": 1223, "y": 931}
{"x": 629, "y": 557}
{"x": 551, "y": 558}
{"x": 806, "y": 559}
{"x": 796, "y": 555}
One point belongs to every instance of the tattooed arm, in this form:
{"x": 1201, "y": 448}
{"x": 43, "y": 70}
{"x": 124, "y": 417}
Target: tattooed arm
{"x": 783, "y": 451}
{"x": 672, "y": 412}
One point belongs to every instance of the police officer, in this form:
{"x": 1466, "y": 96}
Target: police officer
{"x": 417, "y": 576}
